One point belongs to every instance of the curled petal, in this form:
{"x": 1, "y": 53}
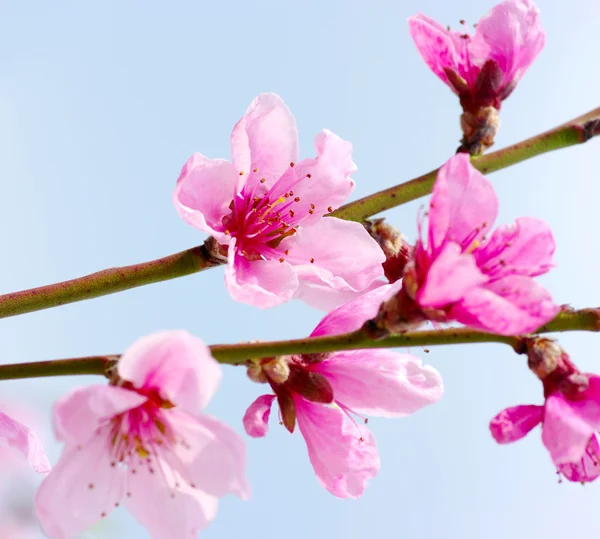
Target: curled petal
{"x": 509, "y": 306}
{"x": 353, "y": 314}
{"x": 266, "y": 139}
{"x": 262, "y": 283}
{"x": 176, "y": 364}
{"x": 514, "y": 423}
{"x": 204, "y": 191}
{"x": 523, "y": 248}
{"x": 463, "y": 206}
{"x": 343, "y": 454}
{"x": 381, "y": 382}
{"x": 21, "y": 438}
{"x": 256, "y": 418}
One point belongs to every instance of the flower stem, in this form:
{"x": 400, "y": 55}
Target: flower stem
{"x": 205, "y": 256}
{"x": 576, "y": 131}
{"x": 239, "y": 354}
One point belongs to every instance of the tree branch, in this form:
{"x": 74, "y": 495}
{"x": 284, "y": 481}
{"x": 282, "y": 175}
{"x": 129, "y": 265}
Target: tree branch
{"x": 240, "y": 354}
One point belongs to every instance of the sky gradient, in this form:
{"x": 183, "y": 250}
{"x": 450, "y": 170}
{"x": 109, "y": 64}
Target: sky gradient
{"x": 101, "y": 103}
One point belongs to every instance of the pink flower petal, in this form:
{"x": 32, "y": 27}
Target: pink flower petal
{"x": 176, "y": 364}
{"x": 80, "y": 490}
{"x": 381, "y": 382}
{"x": 204, "y": 191}
{"x": 214, "y": 455}
{"x": 266, "y": 139}
{"x": 168, "y": 512}
{"x": 451, "y": 275}
{"x": 509, "y": 306}
{"x": 343, "y": 454}
{"x": 353, "y": 314}
{"x": 435, "y": 44}
{"x": 523, "y": 248}
{"x": 78, "y": 415}
{"x": 19, "y": 437}
{"x": 313, "y": 292}
{"x": 586, "y": 469}
{"x": 514, "y": 423}
{"x": 262, "y": 283}
{"x": 256, "y": 418}
{"x": 327, "y": 182}
{"x": 587, "y": 406}
{"x": 565, "y": 433}
{"x": 463, "y": 206}
{"x": 332, "y": 244}
{"x": 513, "y": 33}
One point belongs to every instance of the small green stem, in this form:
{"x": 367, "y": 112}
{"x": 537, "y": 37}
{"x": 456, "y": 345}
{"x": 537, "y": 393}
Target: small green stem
{"x": 206, "y": 256}
{"x": 239, "y": 354}
{"x": 576, "y": 131}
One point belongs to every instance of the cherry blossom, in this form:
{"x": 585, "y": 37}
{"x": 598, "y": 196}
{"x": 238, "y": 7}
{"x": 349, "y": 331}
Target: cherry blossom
{"x": 267, "y": 210}
{"x": 323, "y": 392}
{"x": 141, "y": 442}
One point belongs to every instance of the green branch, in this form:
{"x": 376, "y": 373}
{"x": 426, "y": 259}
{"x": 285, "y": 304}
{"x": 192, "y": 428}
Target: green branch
{"x": 240, "y": 354}
{"x": 576, "y": 131}
{"x": 108, "y": 281}
{"x": 206, "y": 256}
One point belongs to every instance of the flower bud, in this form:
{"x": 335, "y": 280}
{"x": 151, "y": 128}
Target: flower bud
{"x": 396, "y": 248}
{"x": 553, "y": 366}
{"x": 479, "y": 129}
{"x": 255, "y": 372}
{"x": 277, "y": 369}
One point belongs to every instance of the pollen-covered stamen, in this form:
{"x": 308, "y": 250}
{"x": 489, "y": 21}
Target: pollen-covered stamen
{"x": 143, "y": 440}
{"x": 471, "y": 242}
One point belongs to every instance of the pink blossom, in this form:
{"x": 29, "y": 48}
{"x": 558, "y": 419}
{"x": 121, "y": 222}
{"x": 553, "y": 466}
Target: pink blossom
{"x": 483, "y": 69}
{"x": 141, "y": 442}
{"x": 322, "y": 391}
{"x": 471, "y": 274}
{"x": 570, "y": 423}
{"x": 17, "y": 436}
{"x": 266, "y": 209}
{"x": 570, "y": 417}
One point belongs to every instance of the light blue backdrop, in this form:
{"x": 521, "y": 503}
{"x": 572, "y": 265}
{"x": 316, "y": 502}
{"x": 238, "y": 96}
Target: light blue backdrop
{"x": 101, "y": 102}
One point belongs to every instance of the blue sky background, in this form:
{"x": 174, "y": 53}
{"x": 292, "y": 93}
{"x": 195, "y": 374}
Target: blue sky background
{"x": 101, "y": 102}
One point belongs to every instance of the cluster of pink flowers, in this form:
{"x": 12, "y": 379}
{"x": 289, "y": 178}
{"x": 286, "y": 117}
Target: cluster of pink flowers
{"x": 141, "y": 440}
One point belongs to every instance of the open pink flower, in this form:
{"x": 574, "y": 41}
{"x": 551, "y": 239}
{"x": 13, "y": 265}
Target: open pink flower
{"x": 268, "y": 209}
{"x": 569, "y": 430}
{"x": 570, "y": 417}
{"x": 321, "y": 393}
{"x": 468, "y": 273}
{"x": 17, "y": 436}
{"x": 143, "y": 443}
{"x": 482, "y": 69}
